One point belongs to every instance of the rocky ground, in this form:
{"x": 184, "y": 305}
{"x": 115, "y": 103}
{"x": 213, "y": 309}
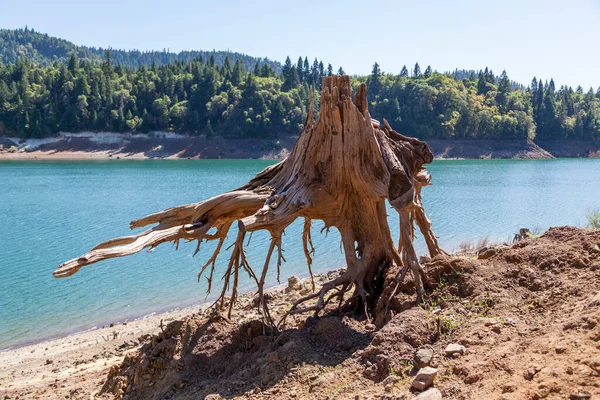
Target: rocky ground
{"x": 515, "y": 321}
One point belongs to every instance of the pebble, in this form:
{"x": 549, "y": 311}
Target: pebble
{"x": 431, "y": 394}
{"x": 294, "y": 283}
{"x": 422, "y": 357}
{"x": 424, "y": 378}
{"x": 595, "y": 302}
{"x": 455, "y": 348}
{"x": 370, "y": 327}
{"x": 390, "y": 380}
{"x": 580, "y": 396}
{"x": 560, "y": 349}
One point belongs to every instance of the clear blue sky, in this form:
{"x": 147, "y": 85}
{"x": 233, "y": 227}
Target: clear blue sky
{"x": 546, "y": 38}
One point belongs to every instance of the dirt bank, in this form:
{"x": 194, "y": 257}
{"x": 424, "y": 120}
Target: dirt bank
{"x": 158, "y": 145}
{"x": 528, "y": 316}
{"x": 174, "y": 146}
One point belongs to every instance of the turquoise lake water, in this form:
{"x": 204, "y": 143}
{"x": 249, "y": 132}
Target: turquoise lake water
{"x": 53, "y": 211}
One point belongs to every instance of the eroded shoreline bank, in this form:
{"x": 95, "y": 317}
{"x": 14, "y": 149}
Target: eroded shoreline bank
{"x": 94, "y": 146}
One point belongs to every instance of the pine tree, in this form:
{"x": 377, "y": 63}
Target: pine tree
{"x": 481, "y": 84}
{"x": 306, "y": 70}
{"x": 73, "y": 63}
{"x": 417, "y": 71}
{"x": 107, "y": 65}
{"x": 534, "y": 101}
{"x": 239, "y": 73}
{"x": 404, "y": 71}
{"x": 342, "y": 72}
{"x": 329, "y": 70}
{"x": 374, "y": 82}
{"x": 504, "y": 85}
{"x": 290, "y": 76}
{"x": 300, "y": 69}
{"x": 226, "y": 70}
{"x": 315, "y": 78}
{"x": 427, "y": 72}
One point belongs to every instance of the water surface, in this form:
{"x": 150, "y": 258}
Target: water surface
{"x": 56, "y": 210}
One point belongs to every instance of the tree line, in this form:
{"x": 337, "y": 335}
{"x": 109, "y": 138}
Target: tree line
{"x": 43, "y": 49}
{"x": 201, "y": 97}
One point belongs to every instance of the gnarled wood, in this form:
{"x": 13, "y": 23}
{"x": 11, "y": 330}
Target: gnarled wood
{"x": 341, "y": 171}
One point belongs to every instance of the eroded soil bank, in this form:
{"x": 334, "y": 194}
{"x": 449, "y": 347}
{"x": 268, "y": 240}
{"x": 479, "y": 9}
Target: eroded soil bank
{"x": 528, "y": 315}
{"x": 174, "y": 146}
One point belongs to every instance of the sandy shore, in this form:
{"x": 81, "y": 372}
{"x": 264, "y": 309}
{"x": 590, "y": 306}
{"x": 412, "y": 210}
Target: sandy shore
{"x": 73, "y": 155}
{"x": 78, "y": 361}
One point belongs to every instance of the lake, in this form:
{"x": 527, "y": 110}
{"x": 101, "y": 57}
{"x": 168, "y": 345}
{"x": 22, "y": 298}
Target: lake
{"x": 53, "y": 211}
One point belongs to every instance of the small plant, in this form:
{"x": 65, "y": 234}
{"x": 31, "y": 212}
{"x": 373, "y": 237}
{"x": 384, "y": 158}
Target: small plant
{"x": 535, "y": 233}
{"x": 593, "y": 218}
{"x": 468, "y": 247}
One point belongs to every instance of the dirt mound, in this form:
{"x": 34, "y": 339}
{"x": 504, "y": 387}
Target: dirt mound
{"x": 528, "y": 316}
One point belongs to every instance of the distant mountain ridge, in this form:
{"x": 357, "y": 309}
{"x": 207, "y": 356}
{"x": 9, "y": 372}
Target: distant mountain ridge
{"x": 44, "y": 49}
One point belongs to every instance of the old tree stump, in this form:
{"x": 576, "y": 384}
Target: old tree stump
{"x": 341, "y": 171}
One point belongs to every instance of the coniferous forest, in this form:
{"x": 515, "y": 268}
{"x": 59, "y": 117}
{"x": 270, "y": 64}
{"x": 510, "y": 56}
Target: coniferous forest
{"x": 49, "y": 85}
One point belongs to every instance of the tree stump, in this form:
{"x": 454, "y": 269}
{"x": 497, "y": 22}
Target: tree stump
{"x": 341, "y": 171}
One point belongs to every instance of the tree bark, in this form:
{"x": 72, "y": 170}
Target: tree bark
{"x": 341, "y": 171}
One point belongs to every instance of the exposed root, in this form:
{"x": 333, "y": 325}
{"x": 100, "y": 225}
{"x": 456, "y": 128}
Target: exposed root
{"x": 306, "y": 242}
{"x": 342, "y": 280}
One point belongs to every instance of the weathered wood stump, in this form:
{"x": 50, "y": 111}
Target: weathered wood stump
{"x": 341, "y": 171}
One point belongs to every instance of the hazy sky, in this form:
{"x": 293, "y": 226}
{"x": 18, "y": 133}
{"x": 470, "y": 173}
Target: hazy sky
{"x": 546, "y": 38}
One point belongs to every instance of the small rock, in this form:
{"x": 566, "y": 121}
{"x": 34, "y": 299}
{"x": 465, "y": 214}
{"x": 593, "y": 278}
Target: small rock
{"x": 294, "y": 283}
{"x": 424, "y": 378}
{"x": 595, "y": 302}
{"x": 496, "y": 329}
{"x": 213, "y": 397}
{"x": 455, "y": 348}
{"x": 48, "y": 362}
{"x": 580, "y": 396}
{"x": 536, "y": 285}
{"x": 509, "y": 387}
{"x": 486, "y": 253}
{"x": 422, "y": 357}
{"x": 431, "y": 394}
{"x": 530, "y": 373}
{"x": 370, "y": 327}
{"x": 509, "y": 321}
{"x": 560, "y": 349}
{"x": 390, "y": 380}
{"x": 569, "y": 370}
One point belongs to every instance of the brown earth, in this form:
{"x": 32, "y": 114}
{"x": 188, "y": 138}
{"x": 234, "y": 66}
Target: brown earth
{"x": 214, "y": 148}
{"x": 528, "y": 315}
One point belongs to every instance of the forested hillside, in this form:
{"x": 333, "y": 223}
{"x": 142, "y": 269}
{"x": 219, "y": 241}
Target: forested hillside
{"x": 43, "y": 49}
{"x": 201, "y": 96}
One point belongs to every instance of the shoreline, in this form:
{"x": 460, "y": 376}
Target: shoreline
{"x": 166, "y": 314}
{"x": 162, "y": 145}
